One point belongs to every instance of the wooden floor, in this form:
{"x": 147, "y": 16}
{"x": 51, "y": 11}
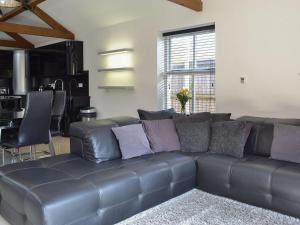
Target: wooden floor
{"x": 62, "y": 146}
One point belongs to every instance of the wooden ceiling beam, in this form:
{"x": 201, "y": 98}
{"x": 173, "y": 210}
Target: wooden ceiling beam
{"x": 13, "y": 30}
{"x": 32, "y": 30}
{"x": 21, "y": 41}
{"x": 196, "y": 5}
{"x": 48, "y": 19}
{"x": 19, "y": 10}
{"x": 12, "y": 44}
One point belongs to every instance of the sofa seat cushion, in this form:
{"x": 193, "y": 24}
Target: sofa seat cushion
{"x": 60, "y": 202}
{"x": 214, "y": 173}
{"x": 285, "y": 189}
{"x": 70, "y": 190}
{"x": 181, "y": 167}
{"x": 251, "y": 180}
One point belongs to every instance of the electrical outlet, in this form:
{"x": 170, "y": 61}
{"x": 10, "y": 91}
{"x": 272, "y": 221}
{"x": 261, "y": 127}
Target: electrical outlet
{"x": 243, "y": 80}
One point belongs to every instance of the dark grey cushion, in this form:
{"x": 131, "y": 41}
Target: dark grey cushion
{"x": 219, "y": 117}
{"x": 197, "y": 117}
{"x": 156, "y": 115}
{"x": 229, "y": 138}
{"x": 194, "y": 137}
{"x": 286, "y": 143}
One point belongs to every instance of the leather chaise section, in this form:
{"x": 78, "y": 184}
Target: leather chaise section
{"x": 59, "y": 202}
{"x": 118, "y": 192}
{"x": 69, "y": 190}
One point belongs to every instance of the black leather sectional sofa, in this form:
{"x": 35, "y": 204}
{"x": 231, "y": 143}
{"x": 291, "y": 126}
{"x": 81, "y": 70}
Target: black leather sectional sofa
{"x": 93, "y": 186}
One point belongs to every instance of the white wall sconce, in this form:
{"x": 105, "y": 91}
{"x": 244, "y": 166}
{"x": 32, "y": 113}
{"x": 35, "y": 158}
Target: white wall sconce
{"x": 118, "y": 68}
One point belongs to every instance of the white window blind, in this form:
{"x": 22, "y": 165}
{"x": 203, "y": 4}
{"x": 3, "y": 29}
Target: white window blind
{"x": 189, "y": 61}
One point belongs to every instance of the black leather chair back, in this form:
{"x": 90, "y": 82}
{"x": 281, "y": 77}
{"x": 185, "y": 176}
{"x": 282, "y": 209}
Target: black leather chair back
{"x": 59, "y": 103}
{"x": 35, "y": 126}
{"x": 58, "y": 109}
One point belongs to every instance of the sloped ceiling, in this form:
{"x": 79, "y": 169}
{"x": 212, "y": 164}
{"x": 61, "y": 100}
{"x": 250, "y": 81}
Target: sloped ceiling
{"x": 82, "y": 16}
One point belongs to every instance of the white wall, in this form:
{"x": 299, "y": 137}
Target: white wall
{"x": 257, "y": 39}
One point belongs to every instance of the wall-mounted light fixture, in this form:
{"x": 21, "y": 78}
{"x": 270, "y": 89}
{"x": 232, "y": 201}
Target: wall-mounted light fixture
{"x": 117, "y": 51}
{"x": 118, "y": 68}
{"x": 116, "y": 60}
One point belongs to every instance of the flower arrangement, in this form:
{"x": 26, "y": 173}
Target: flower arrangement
{"x": 183, "y": 96}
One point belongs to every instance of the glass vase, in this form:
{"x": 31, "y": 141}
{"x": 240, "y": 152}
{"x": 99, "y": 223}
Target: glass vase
{"x": 182, "y": 109}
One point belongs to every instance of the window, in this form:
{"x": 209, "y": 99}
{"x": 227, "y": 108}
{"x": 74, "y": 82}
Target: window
{"x": 189, "y": 61}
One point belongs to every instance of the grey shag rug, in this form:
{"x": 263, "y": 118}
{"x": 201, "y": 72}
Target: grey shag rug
{"x": 200, "y": 208}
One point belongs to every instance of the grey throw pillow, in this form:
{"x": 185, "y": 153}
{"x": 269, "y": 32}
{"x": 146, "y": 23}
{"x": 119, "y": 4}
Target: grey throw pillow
{"x": 132, "y": 140}
{"x": 229, "y": 138}
{"x": 286, "y": 143}
{"x": 220, "y": 117}
{"x": 197, "y": 117}
{"x": 162, "y": 135}
{"x": 194, "y": 137}
{"x": 156, "y": 115}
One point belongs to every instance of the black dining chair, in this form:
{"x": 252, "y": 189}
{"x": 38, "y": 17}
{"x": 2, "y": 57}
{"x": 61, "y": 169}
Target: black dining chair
{"x": 58, "y": 109}
{"x": 35, "y": 125}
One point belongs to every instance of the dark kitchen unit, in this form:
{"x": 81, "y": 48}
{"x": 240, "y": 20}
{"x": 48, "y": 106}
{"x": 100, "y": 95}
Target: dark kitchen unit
{"x": 8, "y": 102}
{"x": 60, "y": 67}
{"x": 6, "y": 72}
{"x": 53, "y": 67}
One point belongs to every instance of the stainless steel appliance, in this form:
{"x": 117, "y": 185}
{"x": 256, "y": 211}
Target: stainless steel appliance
{"x": 20, "y": 73}
{"x": 4, "y": 91}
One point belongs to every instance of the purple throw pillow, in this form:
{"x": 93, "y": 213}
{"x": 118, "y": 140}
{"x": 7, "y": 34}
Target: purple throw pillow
{"x": 162, "y": 135}
{"x": 132, "y": 140}
{"x": 286, "y": 143}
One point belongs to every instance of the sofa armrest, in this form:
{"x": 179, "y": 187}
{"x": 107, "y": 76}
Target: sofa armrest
{"x": 94, "y": 140}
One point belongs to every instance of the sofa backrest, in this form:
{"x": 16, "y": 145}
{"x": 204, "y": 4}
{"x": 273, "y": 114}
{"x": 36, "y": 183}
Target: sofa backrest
{"x": 95, "y": 141}
{"x": 261, "y": 135}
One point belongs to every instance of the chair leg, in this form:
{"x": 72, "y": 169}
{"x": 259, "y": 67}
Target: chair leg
{"x": 31, "y": 155}
{"x": 51, "y": 145}
{"x": 20, "y": 155}
{"x": 34, "y": 152}
{"x": 3, "y": 156}
{"x": 13, "y": 155}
